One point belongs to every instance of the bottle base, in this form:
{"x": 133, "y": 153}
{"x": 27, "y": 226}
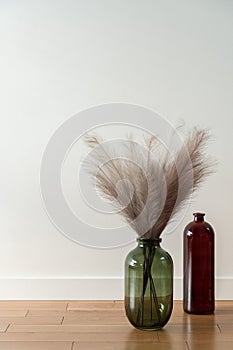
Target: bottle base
{"x": 199, "y": 312}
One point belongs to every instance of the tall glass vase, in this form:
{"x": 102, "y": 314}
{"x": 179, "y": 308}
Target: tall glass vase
{"x": 148, "y": 285}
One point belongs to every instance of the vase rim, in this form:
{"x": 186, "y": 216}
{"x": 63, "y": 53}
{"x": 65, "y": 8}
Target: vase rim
{"x": 147, "y": 240}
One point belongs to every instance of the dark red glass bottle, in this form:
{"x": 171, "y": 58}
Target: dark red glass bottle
{"x": 199, "y": 277}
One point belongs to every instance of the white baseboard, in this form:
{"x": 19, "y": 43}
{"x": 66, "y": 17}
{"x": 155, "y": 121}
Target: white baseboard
{"x": 89, "y": 288}
{"x": 223, "y": 288}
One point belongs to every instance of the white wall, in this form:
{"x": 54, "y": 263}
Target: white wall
{"x": 59, "y": 57}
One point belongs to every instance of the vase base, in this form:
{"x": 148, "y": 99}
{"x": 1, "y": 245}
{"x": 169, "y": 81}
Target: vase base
{"x": 148, "y": 329}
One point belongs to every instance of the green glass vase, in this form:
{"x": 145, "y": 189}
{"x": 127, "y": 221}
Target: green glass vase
{"x": 148, "y": 285}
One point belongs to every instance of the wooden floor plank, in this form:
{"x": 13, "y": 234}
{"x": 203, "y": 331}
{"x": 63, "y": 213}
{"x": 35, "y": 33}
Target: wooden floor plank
{"x": 94, "y": 305}
{"x": 13, "y": 313}
{"x": 3, "y": 326}
{"x": 55, "y": 320}
{"x": 79, "y": 313}
{"x": 221, "y": 319}
{"x": 35, "y": 345}
{"x": 225, "y": 328}
{"x": 95, "y": 321}
{"x": 204, "y": 338}
{"x": 194, "y": 320}
{"x": 211, "y": 345}
{"x": 22, "y": 304}
{"x": 46, "y": 313}
{"x": 95, "y": 317}
{"x": 80, "y": 337}
{"x": 73, "y": 329}
{"x": 130, "y": 346}
{"x": 189, "y": 328}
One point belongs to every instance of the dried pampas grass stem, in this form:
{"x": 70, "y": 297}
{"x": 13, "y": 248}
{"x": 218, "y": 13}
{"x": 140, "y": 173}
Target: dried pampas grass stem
{"x": 149, "y": 187}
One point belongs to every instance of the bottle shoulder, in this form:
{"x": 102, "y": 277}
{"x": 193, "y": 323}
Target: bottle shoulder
{"x": 199, "y": 227}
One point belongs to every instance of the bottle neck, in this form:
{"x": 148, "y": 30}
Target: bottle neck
{"x": 199, "y": 217}
{"x": 149, "y": 242}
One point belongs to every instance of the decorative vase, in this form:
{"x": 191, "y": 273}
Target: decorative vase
{"x": 148, "y": 285}
{"x": 198, "y": 282}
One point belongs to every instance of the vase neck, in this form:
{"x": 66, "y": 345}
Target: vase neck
{"x": 199, "y": 217}
{"x": 149, "y": 242}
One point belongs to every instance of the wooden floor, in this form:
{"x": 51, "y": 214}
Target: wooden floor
{"x": 102, "y": 325}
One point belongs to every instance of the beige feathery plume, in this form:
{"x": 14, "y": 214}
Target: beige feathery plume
{"x": 148, "y": 187}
